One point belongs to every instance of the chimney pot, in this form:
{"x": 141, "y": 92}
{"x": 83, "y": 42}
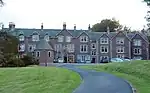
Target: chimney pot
{"x": 42, "y": 26}
{"x": 11, "y": 26}
{"x": 108, "y": 30}
{"x": 74, "y": 27}
{"x": 64, "y": 26}
{"x": 89, "y": 28}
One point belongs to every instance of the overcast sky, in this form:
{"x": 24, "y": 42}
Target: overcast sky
{"x": 31, "y": 13}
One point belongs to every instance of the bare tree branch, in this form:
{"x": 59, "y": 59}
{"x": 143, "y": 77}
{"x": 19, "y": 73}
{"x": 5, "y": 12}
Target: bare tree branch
{"x": 1, "y": 3}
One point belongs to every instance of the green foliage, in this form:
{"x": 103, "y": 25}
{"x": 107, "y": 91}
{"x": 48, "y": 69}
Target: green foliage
{"x": 148, "y": 2}
{"x": 28, "y": 60}
{"x": 10, "y": 60}
{"x": 102, "y": 26}
{"x": 8, "y": 43}
{"x": 15, "y": 62}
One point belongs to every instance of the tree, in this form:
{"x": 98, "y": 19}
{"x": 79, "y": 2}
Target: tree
{"x": 8, "y": 43}
{"x": 126, "y": 29}
{"x": 1, "y": 3}
{"x": 148, "y": 2}
{"x": 148, "y": 13}
{"x": 113, "y": 25}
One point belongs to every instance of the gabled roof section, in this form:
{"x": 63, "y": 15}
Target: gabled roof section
{"x": 43, "y": 45}
{"x": 119, "y": 33}
{"x": 21, "y": 33}
{"x": 83, "y": 32}
{"x": 142, "y": 35}
{"x": 64, "y": 30}
{"x": 104, "y": 33}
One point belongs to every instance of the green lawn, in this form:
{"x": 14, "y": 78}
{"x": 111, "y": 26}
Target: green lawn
{"x": 138, "y": 73}
{"x": 38, "y": 80}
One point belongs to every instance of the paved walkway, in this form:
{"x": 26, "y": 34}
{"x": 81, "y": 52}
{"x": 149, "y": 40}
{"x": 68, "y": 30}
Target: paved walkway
{"x": 98, "y": 82}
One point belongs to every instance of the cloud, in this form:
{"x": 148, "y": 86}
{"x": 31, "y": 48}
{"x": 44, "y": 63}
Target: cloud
{"x": 31, "y": 13}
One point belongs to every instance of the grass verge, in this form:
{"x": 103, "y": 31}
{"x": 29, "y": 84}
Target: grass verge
{"x": 138, "y": 73}
{"x": 38, "y": 80}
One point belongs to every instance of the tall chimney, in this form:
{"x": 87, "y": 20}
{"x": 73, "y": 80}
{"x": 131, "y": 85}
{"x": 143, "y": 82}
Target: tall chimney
{"x": 108, "y": 30}
{"x": 74, "y": 27}
{"x": 42, "y": 26}
{"x": 11, "y": 26}
{"x": 89, "y": 27}
{"x": 64, "y": 26}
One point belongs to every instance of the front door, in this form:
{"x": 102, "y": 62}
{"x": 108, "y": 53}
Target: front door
{"x": 93, "y": 60}
{"x": 65, "y": 59}
{"x": 71, "y": 58}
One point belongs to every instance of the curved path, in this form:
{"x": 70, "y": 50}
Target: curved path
{"x": 99, "y": 82}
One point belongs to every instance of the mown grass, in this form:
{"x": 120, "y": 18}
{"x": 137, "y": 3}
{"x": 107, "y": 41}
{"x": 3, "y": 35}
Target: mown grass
{"x": 138, "y": 73}
{"x": 38, "y": 80}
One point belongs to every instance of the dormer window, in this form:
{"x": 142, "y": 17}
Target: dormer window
{"x": 60, "y": 38}
{"x": 21, "y": 47}
{"x": 35, "y": 37}
{"x": 83, "y": 39}
{"x": 46, "y": 38}
{"x": 21, "y": 37}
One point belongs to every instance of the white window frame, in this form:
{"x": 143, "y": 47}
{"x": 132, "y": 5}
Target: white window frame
{"x": 70, "y": 48}
{"x": 68, "y": 38}
{"x": 35, "y": 37}
{"x": 85, "y": 47}
{"x": 137, "y": 49}
{"x": 21, "y": 37}
{"x": 93, "y": 53}
{"x": 37, "y": 53}
{"x": 60, "y": 38}
{"x": 58, "y": 47}
{"x": 106, "y": 47}
{"x": 104, "y": 40}
{"x": 93, "y": 44}
{"x": 120, "y": 49}
{"x": 46, "y": 37}
{"x": 22, "y": 47}
{"x": 120, "y": 40}
{"x": 120, "y": 56}
{"x": 137, "y": 42}
{"x": 84, "y": 39}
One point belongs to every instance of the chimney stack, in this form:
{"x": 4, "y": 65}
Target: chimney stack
{"x": 108, "y": 30}
{"x": 64, "y": 26}
{"x": 74, "y": 27}
{"x": 11, "y": 26}
{"x": 42, "y": 26}
{"x": 89, "y": 28}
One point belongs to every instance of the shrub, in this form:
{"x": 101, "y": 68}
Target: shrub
{"x": 28, "y": 60}
{"x": 15, "y": 62}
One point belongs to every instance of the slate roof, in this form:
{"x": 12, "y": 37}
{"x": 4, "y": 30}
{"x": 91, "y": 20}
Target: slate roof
{"x": 43, "y": 44}
{"x": 53, "y": 32}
